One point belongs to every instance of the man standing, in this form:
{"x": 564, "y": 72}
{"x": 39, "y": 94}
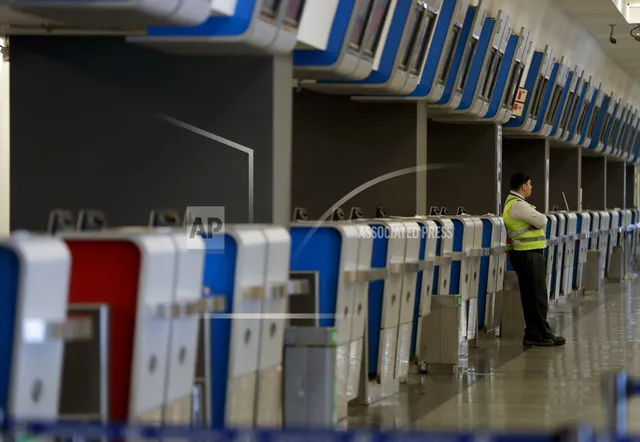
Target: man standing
{"x": 526, "y": 231}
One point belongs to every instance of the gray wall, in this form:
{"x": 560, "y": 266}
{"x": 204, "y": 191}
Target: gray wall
{"x": 564, "y": 176}
{"x": 616, "y": 181}
{"x": 593, "y": 183}
{"x": 87, "y": 130}
{"x": 472, "y": 151}
{"x": 630, "y": 187}
{"x": 527, "y": 156}
{"x": 340, "y": 144}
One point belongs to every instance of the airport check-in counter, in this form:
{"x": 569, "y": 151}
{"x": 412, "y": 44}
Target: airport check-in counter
{"x": 36, "y": 325}
{"x": 604, "y": 241}
{"x": 561, "y": 129}
{"x": 329, "y": 254}
{"x": 550, "y": 253}
{"x": 255, "y": 27}
{"x": 404, "y": 52}
{"x": 492, "y": 270}
{"x": 115, "y": 14}
{"x": 459, "y": 63}
{"x": 583, "y": 235}
{"x": 536, "y": 84}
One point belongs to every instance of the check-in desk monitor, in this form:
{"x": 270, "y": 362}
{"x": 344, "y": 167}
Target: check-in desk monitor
{"x": 256, "y": 27}
{"x": 494, "y": 61}
{"x": 619, "y": 130}
{"x": 585, "y": 89}
{"x": 558, "y": 96}
{"x": 585, "y": 126}
{"x": 481, "y": 71}
{"x": 440, "y": 46}
{"x": 600, "y": 108}
{"x": 116, "y": 14}
{"x": 604, "y": 122}
{"x": 448, "y": 54}
{"x": 404, "y": 53}
{"x": 536, "y": 81}
{"x": 356, "y": 34}
{"x": 632, "y": 137}
{"x": 517, "y": 49}
{"x": 569, "y": 108}
{"x": 459, "y": 67}
{"x": 616, "y": 124}
{"x": 541, "y": 96}
{"x": 585, "y": 113}
{"x": 614, "y": 108}
{"x": 619, "y": 149}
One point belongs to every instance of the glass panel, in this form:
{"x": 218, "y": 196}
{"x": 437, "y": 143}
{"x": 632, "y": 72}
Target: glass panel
{"x": 414, "y": 21}
{"x": 490, "y": 83}
{"x": 583, "y": 116}
{"x": 421, "y": 45}
{"x": 293, "y": 12}
{"x": 568, "y": 110}
{"x": 376, "y": 22}
{"x": 612, "y": 134}
{"x": 605, "y": 126}
{"x": 542, "y": 86}
{"x": 465, "y": 67}
{"x": 514, "y": 84}
{"x": 270, "y": 8}
{"x": 555, "y": 103}
{"x": 449, "y": 51}
{"x": 358, "y": 29}
{"x": 592, "y": 123}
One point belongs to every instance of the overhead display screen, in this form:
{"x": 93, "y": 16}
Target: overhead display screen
{"x": 376, "y": 24}
{"x": 449, "y": 50}
{"x": 357, "y": 34}
{"x": 294, "y": 12}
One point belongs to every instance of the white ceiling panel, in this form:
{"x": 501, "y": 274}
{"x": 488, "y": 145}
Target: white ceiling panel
{"x": 596, "y": 16}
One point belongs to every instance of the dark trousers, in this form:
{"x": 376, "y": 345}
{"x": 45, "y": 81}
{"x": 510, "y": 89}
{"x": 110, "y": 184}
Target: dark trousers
{"x": 531, "y": 268}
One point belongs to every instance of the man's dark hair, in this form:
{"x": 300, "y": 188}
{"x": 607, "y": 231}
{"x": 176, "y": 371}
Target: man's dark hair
{"x": 519, "y": 179}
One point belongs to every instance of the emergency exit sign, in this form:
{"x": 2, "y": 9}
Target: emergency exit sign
{"x": 517, "y": 110}
{"x": 518, "y": 105}
{"x": 522, "y": 95}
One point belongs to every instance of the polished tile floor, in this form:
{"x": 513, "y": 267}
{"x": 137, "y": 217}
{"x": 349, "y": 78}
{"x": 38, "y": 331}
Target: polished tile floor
{"x": 508, "y": 387}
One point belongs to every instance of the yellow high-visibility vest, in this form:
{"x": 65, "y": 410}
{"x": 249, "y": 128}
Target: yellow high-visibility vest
{"x": 523, "y": 236}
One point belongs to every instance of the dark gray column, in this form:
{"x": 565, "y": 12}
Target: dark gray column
{"x": 616, "y": 183}
{"x": 630, "y": 187}
{"x": 529, "y": 156}
{"x": 98, "y": 123}
{"x": 473, "y": 151}
{"x": 343, "y": 147}
{"x": 564, "y": 176}
{"x": 594, "y": 182}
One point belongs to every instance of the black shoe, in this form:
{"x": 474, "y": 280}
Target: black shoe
{"x": 559, "y": 341}
{"x": 538, "y": 342}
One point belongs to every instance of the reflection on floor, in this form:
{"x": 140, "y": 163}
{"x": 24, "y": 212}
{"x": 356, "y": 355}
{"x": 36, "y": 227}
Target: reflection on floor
{"x": 508, "y": 387}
